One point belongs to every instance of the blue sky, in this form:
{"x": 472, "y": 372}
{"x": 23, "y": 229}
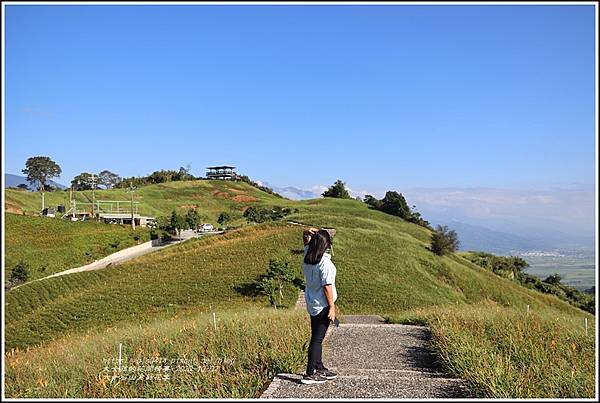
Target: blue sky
{"x": 383, "y": 97}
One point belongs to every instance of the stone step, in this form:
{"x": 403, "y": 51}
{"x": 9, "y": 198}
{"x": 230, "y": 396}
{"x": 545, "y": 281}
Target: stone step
{"x": 374, "y": 360}
{"x": 384, "y": 384}
{"x": 363, "y": 346}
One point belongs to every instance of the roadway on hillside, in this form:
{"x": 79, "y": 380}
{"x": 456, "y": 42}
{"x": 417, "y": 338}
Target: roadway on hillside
{"x": 374, "y": 360}
{"x": 126, "y": 254}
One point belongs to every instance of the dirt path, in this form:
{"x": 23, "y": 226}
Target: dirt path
{"x": 124, "y": 255}
{"x": 374, "y": 360}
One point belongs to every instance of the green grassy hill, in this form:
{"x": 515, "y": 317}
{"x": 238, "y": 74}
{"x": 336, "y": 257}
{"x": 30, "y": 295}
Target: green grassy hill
{"x": 209, "y": 196}
{"x": 51, "y": 245}
{"x": 384, "y": 267}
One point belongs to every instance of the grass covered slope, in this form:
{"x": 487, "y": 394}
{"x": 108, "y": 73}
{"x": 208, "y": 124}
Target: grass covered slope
{"x": 194, "y": 276}
{"x": 51, "y": 245}
{"x": 210, "y": 196}
{"x": 384, "y": 267}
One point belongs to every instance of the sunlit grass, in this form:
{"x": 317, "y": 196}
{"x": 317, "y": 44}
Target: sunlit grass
{"x": 49, "y": 245}
{"x": 197, "y": 274}
{"x": 506, "y": 352}
{"x": 384, "y": 267}
{"x": 235, "y": 359}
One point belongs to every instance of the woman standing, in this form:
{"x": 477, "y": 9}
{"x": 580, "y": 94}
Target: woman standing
{"x": 320, "y": 295}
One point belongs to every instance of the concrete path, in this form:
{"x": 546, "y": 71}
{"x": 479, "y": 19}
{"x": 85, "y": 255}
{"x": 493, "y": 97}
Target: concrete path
{"x": 374, "y": 360}
{"x": 126, "y": 254}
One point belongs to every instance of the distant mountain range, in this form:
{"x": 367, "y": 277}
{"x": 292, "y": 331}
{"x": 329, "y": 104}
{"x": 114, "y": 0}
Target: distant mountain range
{"x": 475, "y": 237}
{"x": 12, "y": 181}
{"x": 294, "y": 193}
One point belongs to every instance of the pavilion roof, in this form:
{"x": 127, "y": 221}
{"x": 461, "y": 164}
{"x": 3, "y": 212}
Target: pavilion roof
{"x": 221, "y": 167}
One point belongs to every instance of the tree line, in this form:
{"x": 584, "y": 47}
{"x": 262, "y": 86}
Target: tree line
{"x": 41, "y": 169}
{"x": 511, "y": 267}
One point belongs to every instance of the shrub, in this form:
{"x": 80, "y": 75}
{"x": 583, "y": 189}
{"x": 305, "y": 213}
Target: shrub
{"x": 257, "y": 214}
{"x": 553, "y": 279}
{"x": 373, "y": 202}
{"x": 19, "y": 273}
{"x": 444, "y": 241}
{"x": 224, "y": 217}
{"x": 394, "y": 203}
{"x": 511, "y": 267}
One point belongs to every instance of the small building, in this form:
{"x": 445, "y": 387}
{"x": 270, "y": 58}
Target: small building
{"x": 124, "y": 218}
{"x": 224, "y": 172}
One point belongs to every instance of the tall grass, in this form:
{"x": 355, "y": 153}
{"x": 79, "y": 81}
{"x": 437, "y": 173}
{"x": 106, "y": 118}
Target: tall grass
{"x": 506, "y": 352}
{"x": 384, "y": 267}
{"x": 192, "y": 275}
{"x": 237, "y": 359}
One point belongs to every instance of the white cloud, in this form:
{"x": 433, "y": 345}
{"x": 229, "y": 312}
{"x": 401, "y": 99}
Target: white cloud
{"x": 569, "y": 209}
{"x": 318, "y": 189}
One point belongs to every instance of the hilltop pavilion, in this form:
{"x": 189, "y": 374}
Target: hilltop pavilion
{"x": 224, "y": 172}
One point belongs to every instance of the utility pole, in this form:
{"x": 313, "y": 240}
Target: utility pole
{"x": 131, "y": 190}
{"x": 93, "y": 194}
{"x": 73, "y": 207}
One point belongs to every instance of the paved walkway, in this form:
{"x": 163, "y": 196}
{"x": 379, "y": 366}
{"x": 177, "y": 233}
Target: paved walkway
{"x": 374, "y": 360}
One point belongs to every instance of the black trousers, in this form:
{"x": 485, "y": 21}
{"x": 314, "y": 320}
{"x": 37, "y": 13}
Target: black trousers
{"x": 318, "y": 327}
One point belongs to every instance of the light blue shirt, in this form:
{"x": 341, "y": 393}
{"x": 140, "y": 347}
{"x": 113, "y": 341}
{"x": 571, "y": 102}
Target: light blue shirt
{"x": 315, "y": 277}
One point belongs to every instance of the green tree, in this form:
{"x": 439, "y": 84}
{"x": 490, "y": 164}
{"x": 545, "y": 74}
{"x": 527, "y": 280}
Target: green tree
{"x": 394, "y": 203}
{"x": 373, "y": 202}
{"x": 281, "y": 270}
{"x": 162, "y": 227}
{"x": 268, "y": 286}
{"x": 279, "y": 273}
{"x": 257, "y": 214}
{"x": 192, "y": 219}
{"x": 183, "y": 174}
{"x": 19, "y": 273}
{"x": 40, "y": 170}
{"x": 108, "y": 179}
{"x": 224, "y": 217}
{"x": 444, "y": 241}
{"x": 83, "y": 181}
{"x": 553, "y": 279}
{"x": 337, "y": 190}
{"x": 177, "y": 223}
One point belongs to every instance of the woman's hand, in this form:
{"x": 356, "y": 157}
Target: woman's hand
{"x": 331, "y": 313}
{"x": 307, "y": 234}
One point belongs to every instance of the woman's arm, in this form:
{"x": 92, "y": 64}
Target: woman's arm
{"x": 328, "y": 291}
{"x": 306, "y": 235}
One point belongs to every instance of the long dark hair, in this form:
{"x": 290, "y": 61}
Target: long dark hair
{"x": 318, "y": 245}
